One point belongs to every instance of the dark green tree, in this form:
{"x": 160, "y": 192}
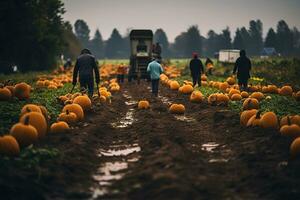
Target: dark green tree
{"x": 238, "y": 42}
{"x": 161, "y": 37}
{"x": 224, "y": 39}
{"x": 115, "y": 45}
{"x": 193, "y": 41}
{"x": 97, "y": 45}
{"x": 72, "y": 45}
{"x": 82, "y": 31}
{"x": 271, "y": 40}
{"x": 256, "y": 40}
{"x": 211, "y": 43}
{"x": 32, "y": 33}
{"x": 284, "y": 38}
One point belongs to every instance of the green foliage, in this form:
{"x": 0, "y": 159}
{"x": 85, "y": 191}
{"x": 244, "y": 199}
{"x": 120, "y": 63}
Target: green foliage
{"x": 29, "y": 158}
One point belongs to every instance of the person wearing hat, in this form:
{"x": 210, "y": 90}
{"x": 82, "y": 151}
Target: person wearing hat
{"x": 242, "y": 67}
{"x": 155, "y": 70}
{"x": 86, "y": 66}
{"x": 196, "y": 68}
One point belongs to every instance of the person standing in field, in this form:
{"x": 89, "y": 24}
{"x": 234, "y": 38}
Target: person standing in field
{"x": 209, "y": 66}
{"x": 121, "y": 71}
{"x": 86, "y": 66}
{"x": 68, "y": 64}
{"x": 155, "y": 70}
{"x": 242, "y": 67}
{"x": 196, "y": 68}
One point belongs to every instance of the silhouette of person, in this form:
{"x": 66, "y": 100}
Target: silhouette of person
{"x": 242, "y": 67}
{"x": 196, "y": 68}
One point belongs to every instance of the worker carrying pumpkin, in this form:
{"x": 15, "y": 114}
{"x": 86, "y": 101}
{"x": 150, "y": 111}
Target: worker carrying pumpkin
{"x": 155, "y": 70}
{"x": 242, "y": 67}
{"x": 196, "y": 68}
{"x": 209, "y": 66}
{"x": 121, "y": 71}
{"x": 85, "y": 65}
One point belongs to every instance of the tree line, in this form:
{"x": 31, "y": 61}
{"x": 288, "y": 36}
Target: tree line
{"x": 285, "y": 40}
{"x": 34, "y": 35}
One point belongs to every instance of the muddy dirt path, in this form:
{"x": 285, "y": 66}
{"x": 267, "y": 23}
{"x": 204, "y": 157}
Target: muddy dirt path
{"x": 204, "y": 154}
{"x": 120, "y": 152}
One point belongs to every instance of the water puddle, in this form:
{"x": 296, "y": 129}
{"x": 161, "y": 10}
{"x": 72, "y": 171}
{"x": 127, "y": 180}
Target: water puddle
{"x": 115, "y": 150}
{"x": 111, "y": 171}
{"x": 165, "y": 100}
{"x": 209, "y": 147}
{"x": 184, "y": 118}
{"x": 130, "y": 103}
{"x": 125, "y": 121}
{"x": 215, "y": 160}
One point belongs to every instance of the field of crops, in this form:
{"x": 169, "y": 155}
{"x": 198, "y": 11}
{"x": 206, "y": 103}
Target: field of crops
{"x": 213, "y": 141}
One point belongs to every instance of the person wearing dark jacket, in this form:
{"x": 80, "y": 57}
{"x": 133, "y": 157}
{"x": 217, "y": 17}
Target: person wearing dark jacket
{"x": 85, "y": 65}
{"x": 242, "y": 67}
{"x": 196, "y": 68}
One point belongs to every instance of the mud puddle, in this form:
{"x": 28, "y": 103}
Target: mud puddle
{"x": 185, "y": 118}
{"x": 116, "y": 168}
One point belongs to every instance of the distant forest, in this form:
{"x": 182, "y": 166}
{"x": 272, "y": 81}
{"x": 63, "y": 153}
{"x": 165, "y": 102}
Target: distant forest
{"x": 286, "y": 41}
{"x": 34, "y": 36}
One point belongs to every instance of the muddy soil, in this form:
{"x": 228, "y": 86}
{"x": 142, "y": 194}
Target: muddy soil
{"x": 120, "y": 152}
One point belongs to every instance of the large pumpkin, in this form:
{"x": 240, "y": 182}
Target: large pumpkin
{"x": 196, "y": 97}
{"x": 233, "y": 91}
{"x": 269, "y": 120}
{"x": 230, "y": 80}
{"x": 295, "y": 119}
{"x": 257, "y": 95}
{"x": 187, "y": 89}
{"x": 22, "y": 91}
{"x": 75, "y": 108}
{"x": 223, "y": 86}
{"x": 38, "y": 121}
{"x": 177, "y": 109}
{"x": 5, "y": 94}
{"x": 295, "y": 148}
{"x": 69, "y": 117}
{"x": 9, "y": 146}
{"x": 24, "y": 133}
{"x": 30, "y": 108}
{"x": 246, "y": 115}
{"x": 286, "y": 90}
{"x": 174, "y": 85}
{"x": 144, "y": 104}
{"x": 84, "y": 101}
{"x": 291, "y": 130}
{"x": 59, "y": 127}
{"x": 250, "y": 103}
{"x": 11, "y": 89}
{"x": 254, "y": 120}
{"x": 236, "y": 97}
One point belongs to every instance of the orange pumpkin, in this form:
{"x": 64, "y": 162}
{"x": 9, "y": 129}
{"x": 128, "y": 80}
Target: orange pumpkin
{"x": 5, "y": 94}
{"x": 236, "y": 97}
{"x": 59, "y": 127}
{"x": 230, "y": 80}
{"x": 295, "y": 148}
{"x": 75, "y": 108}
{"x": 223, "y": 86}
{"x": 245, "y": 94}
{"x": 254, "y": 120}
{"x": 233, "y": 91}
{"x": 187, "y": 89}
{"x": 295, "y": 119}
{"x": 30, "y": 108}
{"x": 38, "y": 121}
{"x": 11, "y": 89}
{"x": 257, "y": 95}
{"x": 24, "y": 133}
{"x": 9, "y": 146}
{"x": 144, "y": 104}
{"x": 177, "y": 109}
{"x": 291, "y": 130}
{"x": 69, "y": 117}
{"x": 269, "y": 120}
{"x": 250, "y": 103}
{"x": 22, "y": 91}
{"x": 246, "y": 115}
{"x": 174, "y": 85}
{"x": 84, "y": 101}
{"x": 196, "y": 97}
{"x": 286, "y": 90}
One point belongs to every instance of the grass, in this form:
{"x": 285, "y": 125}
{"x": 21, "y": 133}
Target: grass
{"x": 281, "y": 105}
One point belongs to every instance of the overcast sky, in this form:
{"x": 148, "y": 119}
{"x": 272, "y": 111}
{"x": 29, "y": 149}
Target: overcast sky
{"x": 175, "y": 16}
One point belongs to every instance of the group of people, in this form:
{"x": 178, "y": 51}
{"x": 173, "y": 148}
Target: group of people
{"x": 86, "y": 66}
